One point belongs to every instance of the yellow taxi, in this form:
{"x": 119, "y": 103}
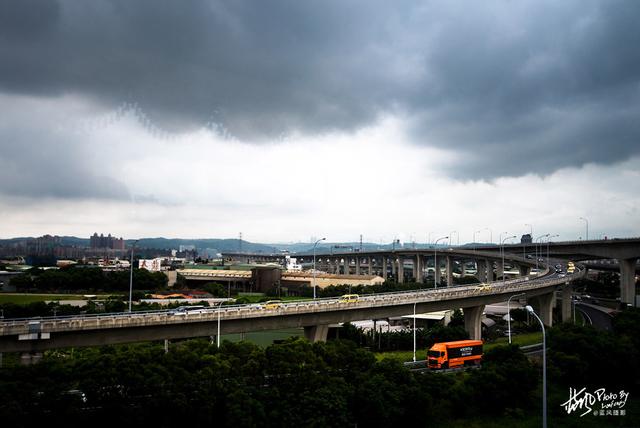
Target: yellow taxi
{"x": 349, "y": 298}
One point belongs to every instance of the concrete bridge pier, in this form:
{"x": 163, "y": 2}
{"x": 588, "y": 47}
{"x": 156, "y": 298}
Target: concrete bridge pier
{"x": 316, "y": 333}
{"x": 545, "y": 303}
{"x": 384, "y": 267}
{"x": 28, "y": 358}
{"x": 370, "y": 266}
{"x": 567, "y": 290}
{"x": 500, "y": 270}
{"x": 437, "y": 274}
{"x": 524, "y": 270}
{"x": 418, "y": 268}
{"x": 449, "y": 271}
{"x": 400, "y": 270}
{"x": 481, "y": 270}
{"x": 628, "y": 280}
{"x": 347, "y": 262}
{"x": 358, "y": 265}
{"x": 473, "y": 321}
{"x": 463, "y": 269}
{"x": 490, "y": 277}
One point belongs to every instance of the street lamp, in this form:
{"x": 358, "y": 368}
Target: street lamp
{"x": 548, "y": 239}
{"x": 414, "y": 330}
{"x": 218, "y": 335}
{"x": 451, "y": 236}
{"x": 509, "y": 313}
{"x": 544, "y": 369}
{"x": 474, "y": 239}
{"x": 131, "y": 274}
{"x": 490, "y": 234}
{"x": 435, "y": 260}
{"x": 314, "y": 266}
{"x": 587, "y": 224}
{"x": 502, "y": 247}
{"x": 536, "y": 240}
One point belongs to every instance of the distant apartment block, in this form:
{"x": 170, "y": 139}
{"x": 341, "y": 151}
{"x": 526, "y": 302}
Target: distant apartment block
{"x": 110, "y": 242}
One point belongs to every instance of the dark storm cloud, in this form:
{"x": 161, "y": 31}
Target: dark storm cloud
{"x": 513, "y": 87}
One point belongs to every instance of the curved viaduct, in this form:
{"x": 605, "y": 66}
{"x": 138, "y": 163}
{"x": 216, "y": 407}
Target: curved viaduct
{"x": 37, "y": 335}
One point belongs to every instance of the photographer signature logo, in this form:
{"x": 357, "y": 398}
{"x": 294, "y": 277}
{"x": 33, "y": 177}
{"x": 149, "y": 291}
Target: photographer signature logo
{"x": 599, "y": 402}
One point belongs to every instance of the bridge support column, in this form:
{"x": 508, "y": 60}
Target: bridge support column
{"x": 28, "y": 358}
{"x": 545, "y": 301}
{"x": 393, "y": 267}
{"x": 500, "y": 270}
{"x": 463, "y": 269}
{"x": 417, "y": 272}
{"x": 628, "y": 281}
{"x": 524, "y": 270}
{"x": 490, "y": 277}
{"x": 384, "y": 267}
{"x": 449, "y": 271}
{"x": 316, "y": 333}
{"x": 346, "y": 265}
{"x": 400, "y": 270}
{"x": 358, "y": 265}
{"x": 566, "y": 302}
{"x": 370, "y": 266}
{"x": 481, "y": 270}
{"x": 437, "y": 275}
{"x": 473, "y": 321}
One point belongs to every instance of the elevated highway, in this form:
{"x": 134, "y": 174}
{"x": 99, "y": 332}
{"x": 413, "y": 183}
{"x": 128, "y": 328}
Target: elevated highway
{"x": 37, "y": 335}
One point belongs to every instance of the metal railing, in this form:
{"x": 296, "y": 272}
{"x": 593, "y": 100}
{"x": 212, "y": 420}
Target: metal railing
{"x": 229, "y": 312}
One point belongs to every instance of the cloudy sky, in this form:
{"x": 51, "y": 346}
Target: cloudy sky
{"x": 286, "y": 120}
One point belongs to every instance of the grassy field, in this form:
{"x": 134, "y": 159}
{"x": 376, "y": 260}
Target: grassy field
{"x": 23, "y": 299}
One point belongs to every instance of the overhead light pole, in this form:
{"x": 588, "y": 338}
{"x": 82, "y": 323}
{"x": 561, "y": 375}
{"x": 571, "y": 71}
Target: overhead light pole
{"x": 509, "y": 314}
{"x": 548, "y": 239}
{"x": 490, "y": 234}
{"x": 544, "y": 368}
{"x": 414, "y": 330}
{"x": 474, "y": 239}
{"x": 314, "y": 266}
{"x": 131, "y": 274}
{"x": 435, "y": 260}
{"x": 502, "y": 246}
{"x": 535, "y": 242}
{"x": 587, "y": 225}
{"x": 451, "y": 236}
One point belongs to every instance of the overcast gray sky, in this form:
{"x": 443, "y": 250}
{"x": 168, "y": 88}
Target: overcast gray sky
{"x": 292, "y": 119}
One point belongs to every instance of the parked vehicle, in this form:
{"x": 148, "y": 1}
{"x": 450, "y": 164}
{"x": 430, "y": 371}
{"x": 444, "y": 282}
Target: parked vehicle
{"x": 454, "y": 354}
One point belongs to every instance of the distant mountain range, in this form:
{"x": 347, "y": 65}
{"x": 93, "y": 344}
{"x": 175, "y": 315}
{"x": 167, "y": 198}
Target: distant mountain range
{"x": 235, "y": 245}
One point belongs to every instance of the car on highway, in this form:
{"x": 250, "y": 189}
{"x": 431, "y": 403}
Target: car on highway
{"x": 188, "y": 310}
{"x": 349, "y": 298}
{"x": 272, "y": 304}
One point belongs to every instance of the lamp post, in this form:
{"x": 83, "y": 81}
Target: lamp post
{"x": 218, "y": 335}
{"x": 502, "y": 247}
{"x": 131, "y": 274}
{"x": 474, "y": 239}
{"x": 548, "y": 239}
{"x": 490, "y": 234}
{"x": 451, "y": 236}
{"x": 414, "y": 330}
{"x": 314, "y": 266}
{"x": 536, "y": 240}
{"x": 587, "y": 225}
{"x": 509, "y": 313}
{"x": 544, "y": 369}
{"x": 435, "y": 260}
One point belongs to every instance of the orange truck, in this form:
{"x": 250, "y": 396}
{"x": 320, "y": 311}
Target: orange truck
{"x": 454, "y": 354}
